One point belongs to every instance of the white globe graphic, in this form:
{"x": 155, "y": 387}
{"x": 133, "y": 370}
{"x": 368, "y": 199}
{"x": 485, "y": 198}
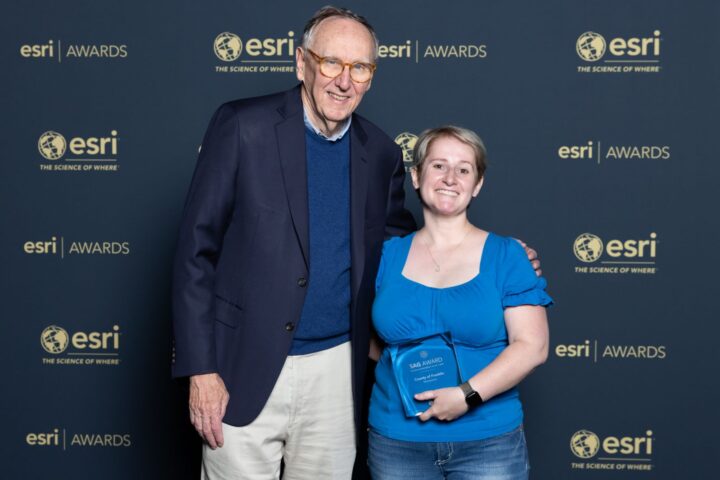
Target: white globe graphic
{"x": 227, "y": 46}
{"x": 52, "y": 145}
{"x": 590, "y": 46}
{"x": 588, "y": 247}
{"x": 54, "y": 339}
{"x": 584, "y": 444}
{"x": 407, "y": 141}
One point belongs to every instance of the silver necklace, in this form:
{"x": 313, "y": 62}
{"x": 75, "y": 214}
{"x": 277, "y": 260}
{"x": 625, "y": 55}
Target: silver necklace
{"x": 432, "y": 257}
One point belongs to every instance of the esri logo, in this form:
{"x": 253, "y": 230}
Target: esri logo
{"x": 38, "y": 50}
{"x": 46, "y": 439}
{"x": 54, "y": 49}
{"x": 228, "y": 46}
{"x": 54, "y": 339}
{"x": 596, "y": 351}
{"x": 619, "y": 54}
{"x": 588, "y": 247}
{"x": 590, "y": 46}
{"x": 593, "y": 150}
{"x": 624, "y": 256}
{"x": 81, "y": 347}
{"x": 615, "y": 452}
{"x": 255, "y": 54}
{"x": 52, "y": 145}
{"x": 63, "y": 439}
{"x": 406, "y": 141}
{"x": 584, "y": 444}
{"x": 84, "y": 153}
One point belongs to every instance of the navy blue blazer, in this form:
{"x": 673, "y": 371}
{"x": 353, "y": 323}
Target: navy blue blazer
{"x": 241, "y": 265}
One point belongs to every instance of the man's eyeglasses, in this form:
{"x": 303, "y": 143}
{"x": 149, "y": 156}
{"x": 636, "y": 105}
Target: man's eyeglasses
{"x": 332, "y": 67}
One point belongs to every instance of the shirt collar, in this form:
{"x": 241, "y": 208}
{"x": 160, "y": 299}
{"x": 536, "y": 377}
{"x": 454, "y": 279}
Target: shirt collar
{"x": 333, "y": 138}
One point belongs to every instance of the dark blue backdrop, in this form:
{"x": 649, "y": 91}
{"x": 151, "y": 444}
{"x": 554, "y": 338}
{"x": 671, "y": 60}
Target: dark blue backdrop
{"x": 104, "y": 105}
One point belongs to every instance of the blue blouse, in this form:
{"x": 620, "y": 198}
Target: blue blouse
{"x": 473, "y": 313}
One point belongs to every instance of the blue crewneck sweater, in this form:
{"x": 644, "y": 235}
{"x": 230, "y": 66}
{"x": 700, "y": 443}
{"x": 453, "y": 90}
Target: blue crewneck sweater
{"x": 325, "y": 319}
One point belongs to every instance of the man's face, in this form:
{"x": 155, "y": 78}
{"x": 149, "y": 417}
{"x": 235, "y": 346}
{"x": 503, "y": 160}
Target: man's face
{"x": 330, "y": 101}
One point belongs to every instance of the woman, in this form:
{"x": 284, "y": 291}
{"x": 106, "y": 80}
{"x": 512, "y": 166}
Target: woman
{"x": 451, "y": 276}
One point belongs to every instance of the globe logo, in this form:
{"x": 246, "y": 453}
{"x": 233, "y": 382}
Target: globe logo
{"x": 584, "y": 444}
{"x": 54, "y": 339}
{"x": 227, "y": 46}
{"x": 588, "y": 247}
{"x": 423, "y": 354}
{"x": 52, "y": 145}
{"x": 407, "y": 141}
{"x": 590, "y": 46}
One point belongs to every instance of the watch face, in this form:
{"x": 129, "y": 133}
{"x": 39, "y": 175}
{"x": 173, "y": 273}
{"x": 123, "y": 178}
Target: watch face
{"x": 473, "y": 399}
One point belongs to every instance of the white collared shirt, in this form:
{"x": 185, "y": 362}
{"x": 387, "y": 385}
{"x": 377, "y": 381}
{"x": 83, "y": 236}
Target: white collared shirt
{"x": 333, "y": 138}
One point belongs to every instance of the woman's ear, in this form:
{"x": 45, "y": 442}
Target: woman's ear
{"x": 477, "y": 188}
{"x": 415, "y": 177}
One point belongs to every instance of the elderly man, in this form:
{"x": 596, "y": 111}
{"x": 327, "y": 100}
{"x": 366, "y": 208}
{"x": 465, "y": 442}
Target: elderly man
{"x": 279, "y": 245}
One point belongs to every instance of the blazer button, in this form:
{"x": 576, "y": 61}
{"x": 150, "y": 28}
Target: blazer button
{"x": 302, "y": 281}
{"x": 289, "y": 326}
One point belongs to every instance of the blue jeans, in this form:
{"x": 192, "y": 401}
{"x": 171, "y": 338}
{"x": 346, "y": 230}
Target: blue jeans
{"x": 498, "y": 458}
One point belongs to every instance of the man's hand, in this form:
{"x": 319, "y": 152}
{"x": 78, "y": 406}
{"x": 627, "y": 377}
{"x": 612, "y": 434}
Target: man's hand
{"x": 208, "y": 399}
{"x": 445, "y": 403}
{"x": 533, "y": 257}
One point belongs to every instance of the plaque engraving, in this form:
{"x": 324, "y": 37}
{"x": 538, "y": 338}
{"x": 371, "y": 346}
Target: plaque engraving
{"x": 425, "y": 364}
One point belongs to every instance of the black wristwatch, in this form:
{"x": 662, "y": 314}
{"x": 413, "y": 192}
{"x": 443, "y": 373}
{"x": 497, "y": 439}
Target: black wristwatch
{"x": 472, "y": 398}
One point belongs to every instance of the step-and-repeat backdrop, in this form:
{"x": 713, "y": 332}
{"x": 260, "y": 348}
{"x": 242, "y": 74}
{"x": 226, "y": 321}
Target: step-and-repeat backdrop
{"x": 600, "y": 120}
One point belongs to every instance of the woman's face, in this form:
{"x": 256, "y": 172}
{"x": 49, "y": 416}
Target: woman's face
{"x": 449, "y": 177}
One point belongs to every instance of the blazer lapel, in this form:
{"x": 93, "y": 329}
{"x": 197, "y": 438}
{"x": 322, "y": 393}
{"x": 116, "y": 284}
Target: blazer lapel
{"x": 291, "y": 145}
{"x": 358, "y": 195}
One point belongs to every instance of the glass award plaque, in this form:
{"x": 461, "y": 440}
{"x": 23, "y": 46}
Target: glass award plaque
{"x": 426, "y": 364}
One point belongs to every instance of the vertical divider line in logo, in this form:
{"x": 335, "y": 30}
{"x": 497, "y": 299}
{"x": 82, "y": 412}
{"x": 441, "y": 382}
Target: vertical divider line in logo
{"x": 417, "y": 47}
{"x": 598, "y": 154}
{"x": 595, "y": 352}
{"x": 62, "y": 248}
{"x": 59, "y": 51}
{"x": 64, "y": 436}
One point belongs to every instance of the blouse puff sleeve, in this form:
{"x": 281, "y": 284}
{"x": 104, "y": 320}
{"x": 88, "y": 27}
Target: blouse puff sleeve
{"x": 517, "y": 281}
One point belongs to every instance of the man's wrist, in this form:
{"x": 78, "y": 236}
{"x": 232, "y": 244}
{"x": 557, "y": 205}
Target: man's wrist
{"x": 201, "y": 377}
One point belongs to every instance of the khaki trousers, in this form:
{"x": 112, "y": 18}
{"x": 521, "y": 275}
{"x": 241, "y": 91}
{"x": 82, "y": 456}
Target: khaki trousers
{"x": 307, "y": 422}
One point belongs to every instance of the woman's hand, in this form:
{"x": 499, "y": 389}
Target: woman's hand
{"x": 445, "y": 404}
{"x": 376, "y": 346}
{"x": 532, "y": 256}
